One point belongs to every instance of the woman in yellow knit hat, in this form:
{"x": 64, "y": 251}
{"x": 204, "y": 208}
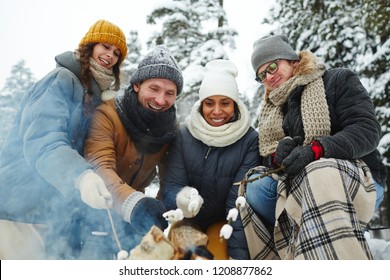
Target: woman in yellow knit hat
{"x": 45, "y": 182}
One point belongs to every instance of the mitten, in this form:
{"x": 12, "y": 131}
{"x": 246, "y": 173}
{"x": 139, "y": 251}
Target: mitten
{"x": 93, "y": 191}
{"x": 143, "y": 212}
{"x": 284, "y": 148}
{"x": 189, "y": 201}
{"x": 269, "y": 161}
{"x": 296, "y": 161}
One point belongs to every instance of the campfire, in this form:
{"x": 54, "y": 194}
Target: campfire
{"x": 184, "y": 242}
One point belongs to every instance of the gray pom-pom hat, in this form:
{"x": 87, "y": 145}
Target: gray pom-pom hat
{"x": 159, "y": 63}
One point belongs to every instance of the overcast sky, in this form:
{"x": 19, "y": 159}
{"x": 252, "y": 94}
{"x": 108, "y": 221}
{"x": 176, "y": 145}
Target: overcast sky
{"x": 37, "y": 30}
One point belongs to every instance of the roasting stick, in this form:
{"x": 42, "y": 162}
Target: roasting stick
{"x": 122, "y": 253}
{"x": 281, "y": 168}
{"x": 113, "y": 226}
{"x": 227, "y": 229}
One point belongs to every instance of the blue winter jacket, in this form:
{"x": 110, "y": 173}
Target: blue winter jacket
{"x": 42, "y": 154}
{"x": 212, "y": 171}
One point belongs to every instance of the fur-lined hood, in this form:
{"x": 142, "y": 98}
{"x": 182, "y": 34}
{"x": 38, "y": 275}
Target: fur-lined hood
{"x": 308, "y": 62}
{"x": 108, "y": 94}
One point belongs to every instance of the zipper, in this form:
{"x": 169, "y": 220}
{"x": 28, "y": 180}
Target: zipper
{"x": 207, "y": 154}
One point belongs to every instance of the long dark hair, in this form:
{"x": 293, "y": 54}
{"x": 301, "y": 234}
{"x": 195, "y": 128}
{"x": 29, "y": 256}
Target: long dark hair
{"x": 85, "y": 52}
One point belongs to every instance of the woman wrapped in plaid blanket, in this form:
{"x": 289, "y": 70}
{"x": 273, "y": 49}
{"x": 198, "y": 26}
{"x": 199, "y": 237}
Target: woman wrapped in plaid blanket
{"x": 319, "y": 129}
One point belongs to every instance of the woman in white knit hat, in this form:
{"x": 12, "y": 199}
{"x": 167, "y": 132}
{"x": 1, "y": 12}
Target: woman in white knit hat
{"x": 214, "y": 149}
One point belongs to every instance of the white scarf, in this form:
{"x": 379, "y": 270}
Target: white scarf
{"x": 217, "y": 136}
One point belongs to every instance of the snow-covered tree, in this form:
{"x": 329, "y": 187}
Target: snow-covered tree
{"x": 375, "y": 69}
{"x": 132, "y": 59}
{"x": 345, "y": 33}
{"x": 18, "y": 82}
{"x": 16, "y": 85}
{"x": 195, "y": 32}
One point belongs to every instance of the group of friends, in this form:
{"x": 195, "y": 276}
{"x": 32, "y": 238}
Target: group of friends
{"x": 311, "y": 173}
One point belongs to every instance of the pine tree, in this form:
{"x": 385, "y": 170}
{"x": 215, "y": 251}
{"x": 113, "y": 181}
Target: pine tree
{"x": 19, "y": 81}
{"x": 132, "y": 59}
{"x": 16, "y": 85}
{"x": 376, "y": 71}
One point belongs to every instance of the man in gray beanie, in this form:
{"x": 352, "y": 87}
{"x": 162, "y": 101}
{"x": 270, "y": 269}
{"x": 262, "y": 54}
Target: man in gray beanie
{"x": 319, "y": 130}
{"x": 159, "y": 64}
{"x": 128, "y": 138}
{"x": 271, "y": 48}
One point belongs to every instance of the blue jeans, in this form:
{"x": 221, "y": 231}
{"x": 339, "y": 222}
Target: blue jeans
{"x": 380, "y": 193}
{"x": 261, "y": 196}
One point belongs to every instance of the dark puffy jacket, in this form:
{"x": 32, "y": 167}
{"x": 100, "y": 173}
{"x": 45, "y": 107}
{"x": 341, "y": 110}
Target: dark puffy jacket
{"x": 212, "y": 171}
{"x": 355, "y": 130}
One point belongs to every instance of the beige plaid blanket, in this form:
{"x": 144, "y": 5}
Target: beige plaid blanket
{"x": 322, "y": 213}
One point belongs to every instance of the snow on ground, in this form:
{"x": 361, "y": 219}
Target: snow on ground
{"x": 380, "y": 248}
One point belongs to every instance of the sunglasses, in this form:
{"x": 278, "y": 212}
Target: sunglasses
{"x": 271, "y": 69}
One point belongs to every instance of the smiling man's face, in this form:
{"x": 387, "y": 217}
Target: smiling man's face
{"x": 157, "y": 94}
{"x": 280, "y": 76}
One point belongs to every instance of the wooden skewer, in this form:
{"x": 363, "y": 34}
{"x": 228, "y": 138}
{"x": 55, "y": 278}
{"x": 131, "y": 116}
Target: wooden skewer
{"x": 260, "y": 176}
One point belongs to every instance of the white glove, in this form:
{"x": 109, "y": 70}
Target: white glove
{"x": 93, "y": 191}
{"x": 189, "y": 201}
{"x": 172, "y": 216}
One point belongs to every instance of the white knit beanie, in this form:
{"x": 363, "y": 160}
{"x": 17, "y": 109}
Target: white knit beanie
{"x": 219, "y": 79}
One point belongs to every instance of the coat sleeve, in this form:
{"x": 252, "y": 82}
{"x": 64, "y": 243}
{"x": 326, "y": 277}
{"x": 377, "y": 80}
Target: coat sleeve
{"x": 237, "y": 245}
{"x": 358, "y": 131}
{"x": 50, "y": 109}
{"x": 100, "y": 151}
{"x": 173, "y": 174}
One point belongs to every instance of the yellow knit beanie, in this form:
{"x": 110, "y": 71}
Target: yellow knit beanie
{"x": 104, "y": 31}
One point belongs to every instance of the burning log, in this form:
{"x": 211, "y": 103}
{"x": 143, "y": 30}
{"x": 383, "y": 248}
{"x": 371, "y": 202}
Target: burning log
{"x": 184, "y": 242}
{"x": 154, "y": 246}
{"x": 184, "y": 234}
{"x": 190, "y": 241}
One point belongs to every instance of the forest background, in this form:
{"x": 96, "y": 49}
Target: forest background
{"x": 344, "y": 33}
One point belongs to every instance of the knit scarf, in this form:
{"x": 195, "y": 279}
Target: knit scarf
{"x": 218, "y": 136}
{"x": 149, "y": 130}
{"x": 103, "y": 76}
{"x": 314, "y": 107}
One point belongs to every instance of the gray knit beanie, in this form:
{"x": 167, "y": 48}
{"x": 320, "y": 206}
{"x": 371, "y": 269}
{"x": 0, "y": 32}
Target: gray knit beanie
{"x": 270, "y": 48}
{"x": 159, "y": 63}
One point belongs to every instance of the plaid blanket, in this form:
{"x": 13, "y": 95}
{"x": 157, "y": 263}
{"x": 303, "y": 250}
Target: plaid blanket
{"x": 321, "y": 213}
